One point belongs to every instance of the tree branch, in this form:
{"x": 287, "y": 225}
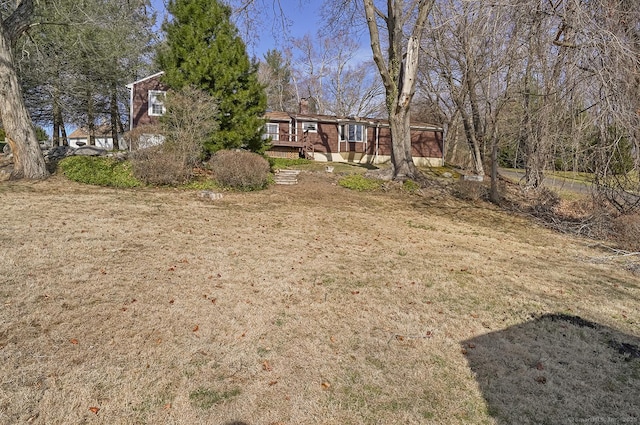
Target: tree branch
{"x": 18, "y": 22}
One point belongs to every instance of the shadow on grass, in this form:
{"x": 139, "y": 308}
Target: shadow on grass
{"x": 558, "y": 369}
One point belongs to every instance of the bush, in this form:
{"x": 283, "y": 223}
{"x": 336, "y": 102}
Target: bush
{"x": 241, "y": 170}
{"x": 189, "y": 121}
{"x": 98, "y": 171}
{"x": 161, "y": 166}
{"x": 360, "y": 183}
{"x": 469, "y": 190}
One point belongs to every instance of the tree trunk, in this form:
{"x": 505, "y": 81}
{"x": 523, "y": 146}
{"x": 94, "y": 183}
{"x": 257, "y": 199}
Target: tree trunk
{"x": 113, "y": 106}
{"x": 401, "y": 158}
{"x": 494, "y": 194}
{"x": 91, "y": 119}
{"x": 28, "y": 159}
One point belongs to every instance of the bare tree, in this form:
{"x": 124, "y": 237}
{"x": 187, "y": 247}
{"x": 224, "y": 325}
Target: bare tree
{"x": 330, "y": 70}
{"x": 20, "y": 133}
{"x": 398, "y": 69}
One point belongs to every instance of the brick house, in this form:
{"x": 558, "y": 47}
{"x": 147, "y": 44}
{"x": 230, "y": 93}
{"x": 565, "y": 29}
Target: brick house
{"x": 318, "y": 137}
{"x": 347, "y": 139}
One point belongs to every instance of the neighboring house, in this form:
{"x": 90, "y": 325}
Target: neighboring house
{"x": 146, "y": 106}
{"x": 318, "y": 137}
{"x": 102, "y": 137}
{"x": 347, "y": 139}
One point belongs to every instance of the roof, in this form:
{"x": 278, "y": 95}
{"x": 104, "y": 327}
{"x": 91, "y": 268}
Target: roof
{"x": 83, "y": 133}
{"x": 157, "y": 74}
{"x": 286, "y": 116}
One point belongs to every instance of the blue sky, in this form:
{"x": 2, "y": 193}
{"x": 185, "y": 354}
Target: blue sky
{"x": 303, "y": 15}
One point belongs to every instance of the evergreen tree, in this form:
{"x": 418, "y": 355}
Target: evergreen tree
{"x": 203, "y": 49}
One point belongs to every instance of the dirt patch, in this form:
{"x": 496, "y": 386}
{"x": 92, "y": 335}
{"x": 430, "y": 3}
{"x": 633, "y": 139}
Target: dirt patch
{"x": 299, "y": 304}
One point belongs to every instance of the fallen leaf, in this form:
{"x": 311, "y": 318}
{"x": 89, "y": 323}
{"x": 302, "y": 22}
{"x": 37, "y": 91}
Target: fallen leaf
{"x": 272, "y": 383}
{"x": 475, "y": 316}
{"x": 167, "y": 406}
{"x": 213, "y": 300}
{"x": 428, "y": 334}
{"x": 73, "y": 341}
{"x": 540, "y": 366}
{"x": 326, "y": 385}
{"x": 355, "y": 292}
{"x": 196, "y": 327}
{"x": 172, "y": 301}
{"x": 266, "y": 366}
{"x": 541, "y": 380}
{"x": 332, "y": 339}
{"x": 103, "y": 271}
{"x": 471, "y": 345}
{"x": 172, "y": 269}
{"x": 463, "y": 351}
{"x": 94, "y": 410}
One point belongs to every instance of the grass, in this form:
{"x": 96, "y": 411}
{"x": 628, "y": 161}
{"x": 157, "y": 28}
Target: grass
{"x": 301, "y": 305}
{"x": 360, "y": 183}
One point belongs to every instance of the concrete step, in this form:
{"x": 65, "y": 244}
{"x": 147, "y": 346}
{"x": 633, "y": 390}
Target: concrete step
{"x": 287, "y": 177}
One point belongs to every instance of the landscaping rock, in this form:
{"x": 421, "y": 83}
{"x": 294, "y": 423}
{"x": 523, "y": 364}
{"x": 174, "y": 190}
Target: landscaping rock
{"x": 57, "y": 153}
{"x": 207, "y": 194}
{"x": 90, "y": 151}
{"x": 5, "y": 174}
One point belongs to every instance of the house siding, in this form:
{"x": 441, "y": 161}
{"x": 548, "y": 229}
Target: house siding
{"x": 427, "y": 142}
{"x": 140, "y": 101}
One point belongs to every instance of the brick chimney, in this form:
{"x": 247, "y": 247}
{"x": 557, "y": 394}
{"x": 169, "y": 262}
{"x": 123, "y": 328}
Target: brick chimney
{"x": 304, "y": 106}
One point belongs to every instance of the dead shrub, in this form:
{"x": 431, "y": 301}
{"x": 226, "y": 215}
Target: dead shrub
{"x": 469, "y": 190}
{"x": 626, "y": 232}
{"x": 160, "y": 166}
{"x": 139, "y": 137}
{"x": 543, "y": 201}
{"x": 240, "y": 170}
{"x": 189, "y": 121}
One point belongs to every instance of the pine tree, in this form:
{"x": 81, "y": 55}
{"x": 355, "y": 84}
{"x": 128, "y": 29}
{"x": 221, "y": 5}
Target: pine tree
{"x": 203, "y": 49}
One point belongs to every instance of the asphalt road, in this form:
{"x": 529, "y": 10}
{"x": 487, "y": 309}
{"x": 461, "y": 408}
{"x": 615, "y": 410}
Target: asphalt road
{"x": 551, "y": 182}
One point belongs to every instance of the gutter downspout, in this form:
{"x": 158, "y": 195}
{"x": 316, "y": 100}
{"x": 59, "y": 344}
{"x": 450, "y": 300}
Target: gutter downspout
{"x": 375, "y": 161}
{"x": 130, "y": 87}
{"x": 443, "y": 150}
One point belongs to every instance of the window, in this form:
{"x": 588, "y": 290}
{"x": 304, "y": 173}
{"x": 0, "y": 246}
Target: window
{"x": 310, "y": 127}
{"x": 272, "y": 130}
{"x": 156, "y": 103}
{"x": 353, "y": 133}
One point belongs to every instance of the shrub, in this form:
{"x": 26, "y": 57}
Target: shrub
{"x": 241, "y": 170}
{"x": 189, "y": 121}
{"x": 98, "y": 171}
{"x": 161, "y": 166}
{"x": 469, "y": 190}
{"x": 360, "y": 183}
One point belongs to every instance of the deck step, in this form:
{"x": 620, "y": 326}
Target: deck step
{"x": 286, "y": 177}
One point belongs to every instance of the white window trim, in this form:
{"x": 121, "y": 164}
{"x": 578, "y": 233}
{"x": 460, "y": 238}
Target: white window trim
{"x": 306, "y": 124}
{"x": 273, "y": 132}
{"x": 344, "y": 133}
{"x": 153, "y": 95}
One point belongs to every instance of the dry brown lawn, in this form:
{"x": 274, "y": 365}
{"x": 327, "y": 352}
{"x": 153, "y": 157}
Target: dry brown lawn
{"x": 309, "y": 304}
